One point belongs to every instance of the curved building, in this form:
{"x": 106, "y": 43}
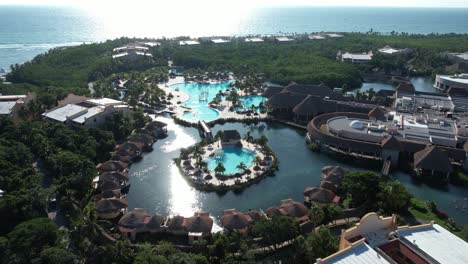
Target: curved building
{"x": 446, "y": 82}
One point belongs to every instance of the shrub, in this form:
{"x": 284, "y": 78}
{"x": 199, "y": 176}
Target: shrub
{"x": 314, "y": 147}
{"x": 419, "y": 205}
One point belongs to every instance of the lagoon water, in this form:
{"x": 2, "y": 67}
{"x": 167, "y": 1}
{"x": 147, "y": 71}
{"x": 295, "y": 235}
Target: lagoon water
{"x": 156, "y": 183}
{"x": 26, "y": 31}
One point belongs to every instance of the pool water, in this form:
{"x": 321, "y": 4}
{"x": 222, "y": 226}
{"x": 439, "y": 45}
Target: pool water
{"x": 248, "y": 101}
{"x": 231, "y": 157}
{"x": 200, "y": 109}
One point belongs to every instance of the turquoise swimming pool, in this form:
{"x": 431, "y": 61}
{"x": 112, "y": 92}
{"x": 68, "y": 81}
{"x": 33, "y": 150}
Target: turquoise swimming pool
{"x": 231, "y": 157}
{"x": 199, "y": 97}
{"x": 248, "y": 101}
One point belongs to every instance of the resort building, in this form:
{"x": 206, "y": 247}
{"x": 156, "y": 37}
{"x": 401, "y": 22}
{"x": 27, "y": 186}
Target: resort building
{"x": 444, "y": 83}
{"x": 86, "y": 113}
{"x": 356, "y": 58}
{"x": 289, "y": 208}
{"x": 131, "y": 51}
{"x": 254, "y": 40}
{"x": 11, "y": 105}
{"x": 318, "y": 195}
{"x": 387, "y": 50}
{"x": 317, "y": 37}
{"x": 457, "y": 57}
{"x": 188, "y": 42}
{"x": 220, "y": 41}
{"x": 111, "y": 208}
{"x": 303, "y": 102}
{"x": 231, "y": 137}
{"x": 139, "y": 221}
{"x": 377, "y": 239}
{"x": 334, "y": 35}
{"x": 369, "y": 137}
{"x": 284, "y": 39}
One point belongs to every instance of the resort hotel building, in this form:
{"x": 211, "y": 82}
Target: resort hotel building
{"x": 379, "y": 240}
{"x": 134, "y": 50}
{"x": 356, "y": 58}
{"x": 387, "y": 50}
{"x": 86, "y": 112}
{"x": 448, "y": 83}
{"x": 12, "y": 104}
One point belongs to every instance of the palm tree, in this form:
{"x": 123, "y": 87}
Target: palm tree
{"x": 248, "y": 137}
{"x": 257, "y": 161}
{"x": 220, "y": 168}
{"x": 242, "y": 167}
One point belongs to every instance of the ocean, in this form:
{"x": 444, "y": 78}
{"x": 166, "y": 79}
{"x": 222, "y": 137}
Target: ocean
{"x": 26, "y": 31}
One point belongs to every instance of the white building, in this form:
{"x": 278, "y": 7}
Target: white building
{"x": 88, "y": 113}
{"x": 11, "y": 104}
{"x": 252, "y": 40}
{"x": 188, "y": 42}
{"x": 318, "y": 37}
{"x": 284, "y": 39}
{"x": 446, "y": 82}
{"x": 220, "y": 41}
{"x": 458, "y": 57}
{"x": 131, "y": 51}
{"x": 334, "y": 35}
{"x": 357, "y": 58}
{"x": 387, "y": 50}
{"x": 377, "y": 239}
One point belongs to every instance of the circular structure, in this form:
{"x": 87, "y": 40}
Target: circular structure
{"x": 356, "y": 124}
{"x": 231, "y": 157}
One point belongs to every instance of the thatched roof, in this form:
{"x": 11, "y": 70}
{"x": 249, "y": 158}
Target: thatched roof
{"x": 391, "y": 143}
{"x": 275, "y": 211}
{"x": 155, "y": 124}
{"x": 320, "y": 90}
{"x": 141, "y": 138}
{"x": 432, "y": 158}
{"x": 112, "y": 165}
{"x": 256, "y": 215}
{"x": 155, "y": 222}
{"x": 108, "y": 185}
{"x": 231, "y": 135}
{"x": 334, "y": 174}
{"x": 129, "y": 148}
{"x": 320, "y": 195}
{"x": 286, "y": 100}
{"x": 200, "y": 222}
{"x": 406, "y": 87}
{"x": 377, "y": 113}
{"x": 293, "y": 208}
{"x": 111, "y": 194}
{"x": 270, "y": 91}
{"x": 134, "y": 219}
{"x": 176, "y": 223}
{"x": 113, "y": 176}
{"x": 311, "y": 106}
{"x": 328, "y": 185}
{"x": 234, "y": 220}
{"x": 112, "y": 205}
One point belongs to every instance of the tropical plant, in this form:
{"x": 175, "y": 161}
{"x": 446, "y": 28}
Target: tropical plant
{"x": 220, "y": 169}
{"x": 242, "y": 167}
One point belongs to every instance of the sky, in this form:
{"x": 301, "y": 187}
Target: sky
{"x": 90, "y": 4}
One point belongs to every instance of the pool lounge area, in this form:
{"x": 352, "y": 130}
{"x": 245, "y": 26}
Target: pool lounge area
{"x": 230, "y": 157}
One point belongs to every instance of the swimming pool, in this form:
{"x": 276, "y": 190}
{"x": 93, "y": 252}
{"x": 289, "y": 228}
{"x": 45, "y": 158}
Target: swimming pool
{"x": 231, "y": 157}
{"x": 199, "y": 97}
{"x": 248, "y": 101}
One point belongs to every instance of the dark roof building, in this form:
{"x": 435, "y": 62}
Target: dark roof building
{"x": 377, "y": 113}
{"x": 320, "y": 196}
{"x": 233, "y": 220}
{"x": 320, "y": 90}
{"x": 432, "y": 159}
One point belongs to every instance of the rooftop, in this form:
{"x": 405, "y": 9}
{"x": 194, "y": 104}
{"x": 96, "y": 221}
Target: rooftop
{"x": 220, "y": 41}
{"x": 357, "y": 56}
{"x": 439, "y": 243}
{"x": 62, "y": 113}
{"x": 7, "y": 107}
{"x": 188, "y": 42}
{"x": 89, "y": 113}
{"x": 359, "y": 252}
{"x": 104, "y": 101}
{"x": 460, "y": 78}
{"x": 284, "y": 39}
{"x": 253, "y": 40}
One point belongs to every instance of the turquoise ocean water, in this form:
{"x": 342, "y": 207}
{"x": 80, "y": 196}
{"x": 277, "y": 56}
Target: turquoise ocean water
{"x": 27, "y": 31}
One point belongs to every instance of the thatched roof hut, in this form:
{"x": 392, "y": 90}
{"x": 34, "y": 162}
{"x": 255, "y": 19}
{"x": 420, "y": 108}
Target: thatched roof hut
{"x": 145, "y": 139}
{"x": 234, "y": 220}
{"x": 109, "y": 185}
{"x": 328, "y": 185}
{"x": 129, "y": 148}
{"x": 256, "y": 215}
{"x": 134, "y": 219}
{"x": 112, "y": 165}
{"x": 406, "y": 87}
{"x": 105, "y": 206}
{"x": 176, "y": 224}
{"x": 320, "y": 195}
{"x": 155, "y": 223}
{"x": 270, "y": 91}
{"x": 107, "y": 194}
{"x": 312, "y": 106}
{"x": 293, "y": 208}
{"x": 113, "y": 176}
{"x": 286, "y": 100}
{"x": 334, "y": 174}
{"x": 377, "y": 113}
{"x": 432, "y": 158}
{"x": 391, "y": 143}
{"x": 274, "y": 211}
{"x": 200, "y": 222}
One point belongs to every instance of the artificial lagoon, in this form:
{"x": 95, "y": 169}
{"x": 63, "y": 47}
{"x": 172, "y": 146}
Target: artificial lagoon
{"x": 157, "y": 185}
